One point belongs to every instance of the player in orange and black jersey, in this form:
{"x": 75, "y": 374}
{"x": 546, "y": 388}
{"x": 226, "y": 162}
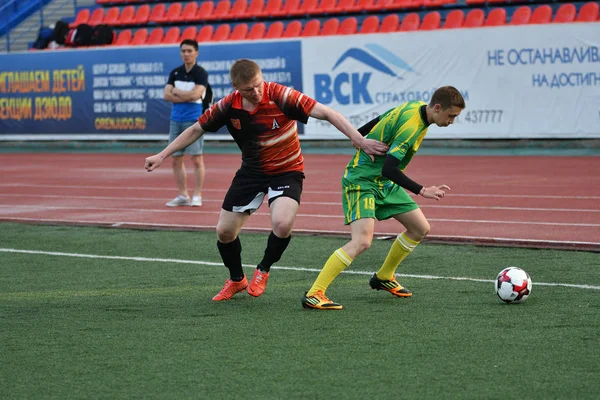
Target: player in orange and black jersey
{"x": 261, "y": 117}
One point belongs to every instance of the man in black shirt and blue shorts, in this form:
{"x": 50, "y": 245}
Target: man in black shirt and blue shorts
{"x": 190, "y": 93}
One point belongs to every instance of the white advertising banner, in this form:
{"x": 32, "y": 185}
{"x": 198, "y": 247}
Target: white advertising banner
{"x": 534, "y": 81}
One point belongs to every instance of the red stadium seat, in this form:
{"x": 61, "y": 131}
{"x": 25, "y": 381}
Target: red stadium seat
{"x": 410, "y": 22}
{"x": 238, "y": 9}
{"x": 541, "y": 15}
{"x": 239, "y": 32}
{"x": 221, "y": 10}
{"x": 189, "y": 33}
{"x": 255, "y": 8}
{"x": 272, "y": 8}
{"x": 307, "y": 7}
{"x": 188, "y": 13}
{"x": 565, "y": 13}
{"x": 275, "y": 30}
{"x": 83, "y": 16}
{"x": 431, "y": 21}
{"x": 325, "y": 7}
{"x": 172, "y": 36}
{"x": 390, "y": 23}
{"x": 126, "y": 16}
{"x": 293, "y": 29}
{"x": 312, "y": 28}
{"x": 348, "y": 26}
{"x": 173, "y": 12}
{"x": 123, "y": 38}
{"x": 142, "y": 15}
{"x": 474, "y": 19}
{"x": 475, "y": 2}
{"x": 222, "y": 32}
{"x": 205, "y": 11}
{"x": 521, "y": 16}
{"x": 156, "y": 36}
{"x": 289, "y": 7}
{"x": 158, "y": 12}
{"x": 496, "y": 17}
{"x": 588, "y": 12}
{"x": 330, "y": 27}
{"x": 363, "y": 5}
{"x": 139, "y": 37}
{"x": 437, "y": 3}
{"x": 403, "y": 4}
{"x": 257, "y": 31}
{"x": 370, "y": 24}
{"x": 346, "y": 6}
{"x": 205, "y": 34}
{"x": 112, "y": 16}
{"x": 379, "y": 5}
{"x": 454, "y": 19}
{"x": 96, "y": 17}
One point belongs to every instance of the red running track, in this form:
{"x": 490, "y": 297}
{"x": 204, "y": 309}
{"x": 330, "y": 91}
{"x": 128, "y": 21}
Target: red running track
{"x": 518, "y": 201}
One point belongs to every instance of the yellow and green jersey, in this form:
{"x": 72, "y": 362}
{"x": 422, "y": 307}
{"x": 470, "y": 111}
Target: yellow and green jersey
{"x": 402, "y": 128}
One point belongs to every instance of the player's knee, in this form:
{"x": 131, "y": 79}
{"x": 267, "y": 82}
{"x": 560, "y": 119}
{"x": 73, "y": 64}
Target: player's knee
{"x": 421, "y": 231}
{"x": 197, "y": 161}
{"x": 225, "y": 235}
{"x": 363, "y": 244}
{"x": 282, "y": 228}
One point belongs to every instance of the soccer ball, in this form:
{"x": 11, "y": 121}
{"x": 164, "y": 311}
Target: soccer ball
{"x": 513, "y": 285}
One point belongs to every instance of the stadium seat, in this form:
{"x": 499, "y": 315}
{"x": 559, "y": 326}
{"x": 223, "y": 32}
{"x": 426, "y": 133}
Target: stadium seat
{"x": 588, "y": 12}
{"x": 289, "y": 7}
{"x": 496, "y": 17}
{"x": 325, "y": 7}
{"x": 204, "y": 12}
{"x": 521, "y": 16}
{"x": 156, "y": 36}
{"x": 255, "y": 9}
{"x": 112, "y": 16}
{"x": 330, "y": 27}
{"x": 410, "y": 22}
{"x": 403, "y": 4}
{"x": 475, "y": 2}
{"x": 378, "y": 5}
{"x": 139, "y": 37}
{"x": 346, "y": 6}
{"x": 126, "y": 16}
{"x": 96, "y": 17}
{"x": 275, "y": 30}
{"x": 189, "y": 33}
{"x": 390, "y": 23}
{"x": 306, "y": 7}
{"x": 363, "y": 5}
{"x": 205, "y": 33}
{"x": 172, "y": 36}
{"x": 272, "y": 7}
{"x": 142, "y": 15}
{"x": 83, "y": 16}
{"x": 221, "y": 11}
{"x": 437, "y": 3}
{"x": 293, "y": 29}
{"x": 257, "y": 31}
{"x": 188, "y": 13}
{"x": 431, "y": 21}
{"x": 474, "y": 19}
{"x": 454, "y": 19}
{"x": 312, "y": 28}
{"x": 173, "y": 12}
{"x": 348, "y": 26}
{"x": 158, "y": 12}
{"x": 370, "y": 24}
{"x": 541, "y": 15}
{"x": 565, "y": 13}
{"x": 222, "y": 32}
{"x": 238, "y": 9}
{"x": 239, "y": 32}
{"x": 123, "y": 38}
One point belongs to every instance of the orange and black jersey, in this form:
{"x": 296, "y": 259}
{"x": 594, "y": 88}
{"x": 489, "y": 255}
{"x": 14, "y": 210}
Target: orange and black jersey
{"x": 267, "y": 136}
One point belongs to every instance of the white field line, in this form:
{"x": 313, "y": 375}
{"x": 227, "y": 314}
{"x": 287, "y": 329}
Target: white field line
{"x": 330, "y": 192}
{"x": 214, "y": 264}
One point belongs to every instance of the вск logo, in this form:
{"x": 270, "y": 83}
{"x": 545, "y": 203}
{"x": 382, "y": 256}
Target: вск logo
{"x": 351, "y": 88}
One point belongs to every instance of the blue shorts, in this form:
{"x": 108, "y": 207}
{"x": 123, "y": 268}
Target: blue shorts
{"x": 176, "y": 129}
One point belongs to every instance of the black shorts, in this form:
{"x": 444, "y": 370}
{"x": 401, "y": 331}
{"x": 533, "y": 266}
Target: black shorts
{"x": 247, "y": 191}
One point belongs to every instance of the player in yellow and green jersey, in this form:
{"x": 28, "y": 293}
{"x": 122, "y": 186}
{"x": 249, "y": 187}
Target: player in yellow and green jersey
{"x": 374, "y": 188}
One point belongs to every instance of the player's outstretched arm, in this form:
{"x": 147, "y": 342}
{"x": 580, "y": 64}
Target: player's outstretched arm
{"x": 369, "y": 146}
{"x": 187, "y": 137}
{"x": 391, "y": 171}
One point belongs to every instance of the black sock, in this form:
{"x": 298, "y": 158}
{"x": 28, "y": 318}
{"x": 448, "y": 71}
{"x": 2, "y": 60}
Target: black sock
{"x": 231, "y": 253}
{"x": 275, "y": 248}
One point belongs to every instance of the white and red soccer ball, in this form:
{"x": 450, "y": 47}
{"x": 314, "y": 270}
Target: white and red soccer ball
{"x": 513, "y": 285}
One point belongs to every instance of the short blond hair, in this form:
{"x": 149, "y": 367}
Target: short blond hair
{"x": 243, "y": 71}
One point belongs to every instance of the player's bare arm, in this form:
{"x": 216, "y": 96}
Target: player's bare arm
{"x": 369, "y": 146}
{"x": 189, "y": 136}
{"x": 392, "y": 171}
{"x": 190, "y": 95}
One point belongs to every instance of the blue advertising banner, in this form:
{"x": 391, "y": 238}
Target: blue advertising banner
{"x": 107, "y": 92}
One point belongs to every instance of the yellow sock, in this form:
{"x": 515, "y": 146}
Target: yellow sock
{"x": 401, "y": 247}
{"x": 338, "y": 261}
